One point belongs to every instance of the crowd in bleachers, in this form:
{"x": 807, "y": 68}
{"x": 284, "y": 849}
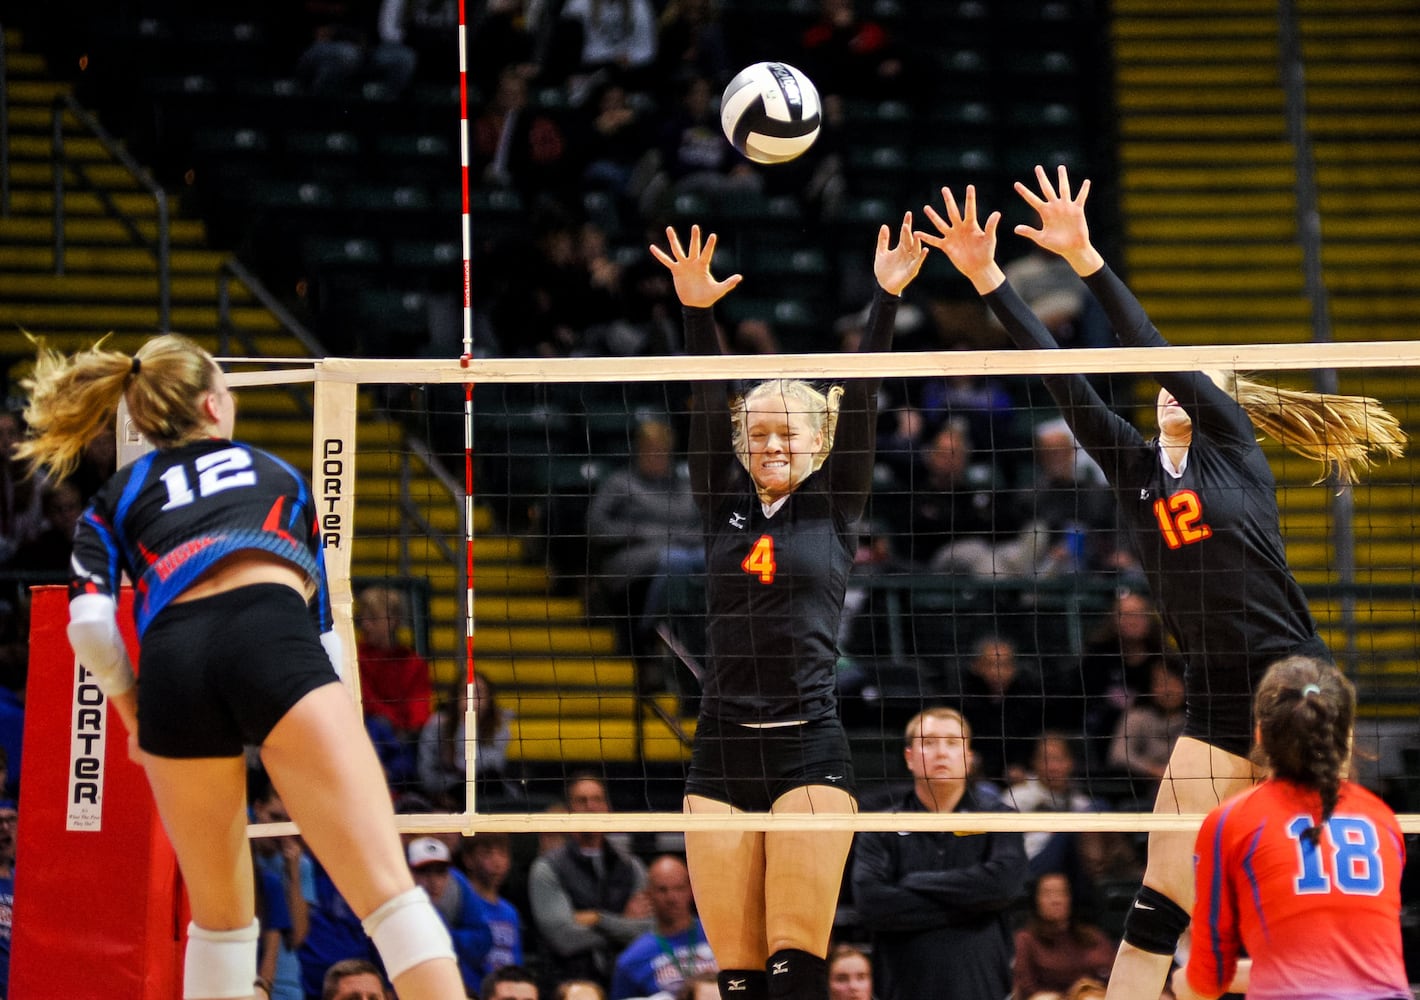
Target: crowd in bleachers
{"x": 319, "y": 140}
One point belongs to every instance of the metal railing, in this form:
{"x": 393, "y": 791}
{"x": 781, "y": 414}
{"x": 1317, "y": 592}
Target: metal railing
{"x": 160, "y": 245}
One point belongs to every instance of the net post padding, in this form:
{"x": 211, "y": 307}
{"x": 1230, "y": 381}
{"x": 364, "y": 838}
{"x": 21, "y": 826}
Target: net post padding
{"x": 333, "y": 447}
{"x": 99, "y": 907}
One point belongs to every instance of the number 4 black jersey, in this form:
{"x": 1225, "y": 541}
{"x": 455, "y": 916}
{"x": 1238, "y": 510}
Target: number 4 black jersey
{"x": 173, "y": 514}
{"x": 775, "y": 584}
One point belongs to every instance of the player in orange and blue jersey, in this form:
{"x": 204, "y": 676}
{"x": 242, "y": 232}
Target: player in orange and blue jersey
{"x": 1303, "y": 871}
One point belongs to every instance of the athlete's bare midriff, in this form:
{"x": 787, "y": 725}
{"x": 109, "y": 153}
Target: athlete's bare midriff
{"x": 243, "y": 569}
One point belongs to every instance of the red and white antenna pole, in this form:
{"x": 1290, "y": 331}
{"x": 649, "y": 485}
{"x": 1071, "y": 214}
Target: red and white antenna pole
{"x": 470, "y": 713}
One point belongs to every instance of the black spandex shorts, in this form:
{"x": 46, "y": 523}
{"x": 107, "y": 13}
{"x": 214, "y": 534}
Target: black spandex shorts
{"x": 1218, "y": 706}
{"x": 219, "y": 672}
{"x": 750, "y": 768}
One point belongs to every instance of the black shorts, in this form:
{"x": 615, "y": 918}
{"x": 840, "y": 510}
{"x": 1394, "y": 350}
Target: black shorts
{"x": 750, "y": 767}
{"x": 1218, "y": 706}
{"x": 218, "y": 673}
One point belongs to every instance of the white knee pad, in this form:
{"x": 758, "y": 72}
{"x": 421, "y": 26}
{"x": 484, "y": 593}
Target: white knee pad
{"x": 408, "y": 932}
{"x": 220, "y": 963}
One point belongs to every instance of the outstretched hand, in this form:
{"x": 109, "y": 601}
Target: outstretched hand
{"x": 970, "y": 246}
{"x": 1063, "y": 229}
{"x": 895, "y": 267}
{"x": 690, "y": 269}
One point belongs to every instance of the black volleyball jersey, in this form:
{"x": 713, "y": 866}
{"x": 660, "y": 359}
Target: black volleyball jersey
{"x": 775, "y": 585}
{"x": 173, "y": 513}
{"x": 1210, "y": 541}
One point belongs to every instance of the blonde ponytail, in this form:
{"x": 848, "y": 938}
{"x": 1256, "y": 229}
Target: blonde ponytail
{"x": 1345, "y": 435}
{"x": 73, "y": 399}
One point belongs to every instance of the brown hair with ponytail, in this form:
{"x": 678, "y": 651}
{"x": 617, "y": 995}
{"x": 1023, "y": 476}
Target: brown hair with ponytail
{"x": 1305, "y": 709}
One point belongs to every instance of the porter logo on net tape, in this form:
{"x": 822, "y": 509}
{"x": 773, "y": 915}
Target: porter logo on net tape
{"x": 88, "y": 735}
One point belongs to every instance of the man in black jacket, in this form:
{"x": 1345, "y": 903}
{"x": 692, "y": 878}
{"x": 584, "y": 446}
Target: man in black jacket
{"x": 938, "y": 904}
{"x": 588, "y": 897}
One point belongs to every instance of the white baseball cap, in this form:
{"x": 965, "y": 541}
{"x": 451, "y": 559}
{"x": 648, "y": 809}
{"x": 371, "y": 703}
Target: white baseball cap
{"x": 428, "y": 851}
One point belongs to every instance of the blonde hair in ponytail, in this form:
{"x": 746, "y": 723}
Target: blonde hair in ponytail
{"x": 73, "y": 399}
{"x": 1343, "y": 434}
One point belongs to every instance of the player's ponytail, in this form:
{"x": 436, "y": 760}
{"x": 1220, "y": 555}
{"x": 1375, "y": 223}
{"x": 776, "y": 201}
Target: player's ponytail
{"x": 1305, "y": 708}
{"x": 73, "y": 399}
{"x": 1344, "y": 434}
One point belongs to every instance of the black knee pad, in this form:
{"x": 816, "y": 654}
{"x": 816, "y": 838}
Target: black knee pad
{"x": 1155, "y": 922}
{"x": 742, "y": 984}
{"x": 796, "y": 975}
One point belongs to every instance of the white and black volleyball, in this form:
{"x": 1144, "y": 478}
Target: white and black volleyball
{"x": 770, "y": 112}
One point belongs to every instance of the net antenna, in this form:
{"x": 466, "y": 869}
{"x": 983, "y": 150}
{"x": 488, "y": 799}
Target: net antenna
{"x": 470, "y": 716}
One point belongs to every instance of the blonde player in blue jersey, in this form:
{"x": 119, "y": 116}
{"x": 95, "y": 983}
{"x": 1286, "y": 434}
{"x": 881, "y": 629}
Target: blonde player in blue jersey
{"x": 232, "y": 611}
{"x": 781, "y": 474}
{"x": 1199, "y": 506}
{"x": 1303, "y": 871}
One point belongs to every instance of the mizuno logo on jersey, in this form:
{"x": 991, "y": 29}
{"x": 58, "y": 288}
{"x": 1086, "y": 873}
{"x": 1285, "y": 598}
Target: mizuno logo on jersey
{"x": 737, "y": 520}
{"x": 1145, "y": 493}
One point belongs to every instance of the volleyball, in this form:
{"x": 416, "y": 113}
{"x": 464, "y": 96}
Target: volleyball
{"x": 770, "y": 112}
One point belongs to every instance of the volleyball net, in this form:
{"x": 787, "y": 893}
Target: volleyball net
{"x": 493, "y": 497}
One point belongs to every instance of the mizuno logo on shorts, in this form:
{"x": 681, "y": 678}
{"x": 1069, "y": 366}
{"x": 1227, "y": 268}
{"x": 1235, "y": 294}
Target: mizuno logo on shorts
{"x": 736, "y": 985}
{"x": 779, "y": 968}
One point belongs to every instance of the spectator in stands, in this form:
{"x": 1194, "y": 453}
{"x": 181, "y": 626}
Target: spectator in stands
{"x": 9, "y": 831}
{"x": 675, "y": 949}
{"x": 423, "y": 33}
{"x": 487, "y": 860}
{"x": 850, "y": 974}
{"x": 554, "y": 288}
{"x": 1072, "y": 509}
{"x": 49, "y": 551}
{"x": 353, "y": 979}
{"x": 1054, "y": 950}
{"x": 334, "y": 933}
{"x": 505, "y": 37}
{"x": 1116, "y": 664}
{"x": 938, "y": 904}
{"x": 849, "y": 56}
{"x": 394, "y": 679}
{"x": 1050, "y": 787}
{"x": 21, "y": 507}
{"x": 691, "y": 40}
{"x": 441, "y": 751}
{"x": 512, "y": 982}
{"x": 612, "y": 139}
{"x": 431, "y": 865}
{"x": 694, "y": 156}
{"x": 1005, "y": 706}
{"x": 617, "y": 36}
{"x": 285, "y": 859}
{"x": 959, "y": 515}
{"x": 588, "y": 898}
{"x": 645, "y": 530}
{"x": 1149, "y": 727}
{"x": 514, "y": 145}
{"x": 1058, "y": 297}
{"x": 396, "y": 690}
{"x": 350, "y": 44}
